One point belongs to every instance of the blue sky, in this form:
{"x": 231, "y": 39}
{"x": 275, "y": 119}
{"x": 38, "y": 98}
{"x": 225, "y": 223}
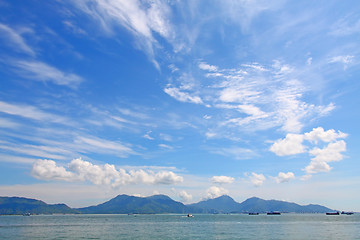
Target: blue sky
{"x": 193, "y": 99}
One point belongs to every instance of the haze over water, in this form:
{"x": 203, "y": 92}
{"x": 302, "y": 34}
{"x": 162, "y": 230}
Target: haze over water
{"x": 175, "y": 226}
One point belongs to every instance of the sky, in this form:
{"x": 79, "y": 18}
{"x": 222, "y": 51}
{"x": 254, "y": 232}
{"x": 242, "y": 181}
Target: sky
{"x": 192, "y": 99}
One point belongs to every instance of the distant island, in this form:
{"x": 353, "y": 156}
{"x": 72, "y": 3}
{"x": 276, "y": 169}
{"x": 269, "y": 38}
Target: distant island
{"x": 157, "y": 204}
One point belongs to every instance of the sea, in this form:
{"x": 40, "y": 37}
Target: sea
{"x": 178, "y": 226}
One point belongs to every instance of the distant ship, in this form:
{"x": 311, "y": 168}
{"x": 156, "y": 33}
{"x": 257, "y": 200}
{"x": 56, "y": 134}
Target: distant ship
{"x": 253, "y": 213}
{"x": 347, "y": 213}
{"x": 332, "y": 213}
{"x": 190, "y": 215}
{"x": 273, "y": 213}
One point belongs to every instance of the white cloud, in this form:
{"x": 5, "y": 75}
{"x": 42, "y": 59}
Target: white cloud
{"x": 31, "y": 112}
{"x": 214, "y": 192}
{"x": 254, "y": 97}
{"x": 237, "y": 153}
{"x": 182, "y": 96}
{"x": 315, "y": 167}
{"x": 184, "y": 196}
{"x": 41, "y": 71}
{"x": 166, "y": 137}
{"x": 107, "y": 174}
{"x": 165, "y": 146}
{"x": 346, "y": 60}
{"x": 16, "y": 159}
{"x": 342, "y": 59}
{"x": 94, "y": 144}
{"x": 210, "y": 134}
{"x": 6, "y": 123}
{"x": 147, "y": 136}
{"x": 138, "y": 17}
{"x": 257, "y": 179}
{"x": 309, "y": 61}
{"x": 306, "y": 177}
{"x": 290, "y": 145}
{"x": 318, "y": 134}
{"x": 222, "y": 179}
{"x": 35, "y": 150}
{"x": 284, "y": 177}
{"x": 48, "y": 170}
{"x": 75, "y": 29}
{"x": 207, "y": 67}
{"x": 239, "y": 94}
{"x": 14, "y": 39}
{"x": 294, "y": 144}
{"x": 330, "y": 153}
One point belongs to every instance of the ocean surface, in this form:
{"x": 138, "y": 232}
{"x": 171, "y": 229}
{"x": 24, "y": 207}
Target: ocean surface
{"x": 174, "y": 226}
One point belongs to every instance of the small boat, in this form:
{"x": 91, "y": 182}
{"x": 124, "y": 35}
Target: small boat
{"x": 253, "y": 213}
{"x": 190, "y": 215}
{"x": 273, "y": 213}
{"x": 332, "y": 213}
{"x": 347, "y": 213}
{"x": 27, "y": 214}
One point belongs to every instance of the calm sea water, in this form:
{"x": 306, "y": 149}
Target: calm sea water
{"x": 285, "y": 226}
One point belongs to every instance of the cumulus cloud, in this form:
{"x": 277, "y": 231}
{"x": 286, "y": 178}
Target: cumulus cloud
{"x": 107, "y": 174}
{"x": 318, "y": 134}
{"x": 205, "y": 66}
{"x": 222, "y": 179}
{"x": 214, "y": 192}
{"x": 184, "y": 196}
{"x": 48, "y": 170}
{"x": 257, "y": 179}
{"x": 290, "y": 145}
{"x": 284, "y": 177}
{"x": 295, "y": 143}
{"x": 330, "y": 153}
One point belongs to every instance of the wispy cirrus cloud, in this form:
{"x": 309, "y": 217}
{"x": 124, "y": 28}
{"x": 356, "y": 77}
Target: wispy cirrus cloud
{"x": 15, "y": 40}
{"x": 40, "y": 71}
{"x": 234, "y": 152}
{"x": 347, "y": 25}
{"x": 99, "y": 145}
{"x": 250, "y": 97}
{"x": 31, "y": 112}
{"x": 105, "y": 175}
{"x": 141, "y": 19}
{"x": 182, "y": 96}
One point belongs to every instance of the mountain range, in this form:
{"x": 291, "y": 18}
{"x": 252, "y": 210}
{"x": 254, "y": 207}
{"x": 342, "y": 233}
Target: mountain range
{"x": 124, "y": 204}
{"x": 19, "y": 205}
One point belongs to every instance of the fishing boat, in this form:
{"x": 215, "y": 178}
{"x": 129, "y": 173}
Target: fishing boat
{"x": 332, "y": 213}
{"x": 347, "y": 213}
{"x": 273, "y": 213}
